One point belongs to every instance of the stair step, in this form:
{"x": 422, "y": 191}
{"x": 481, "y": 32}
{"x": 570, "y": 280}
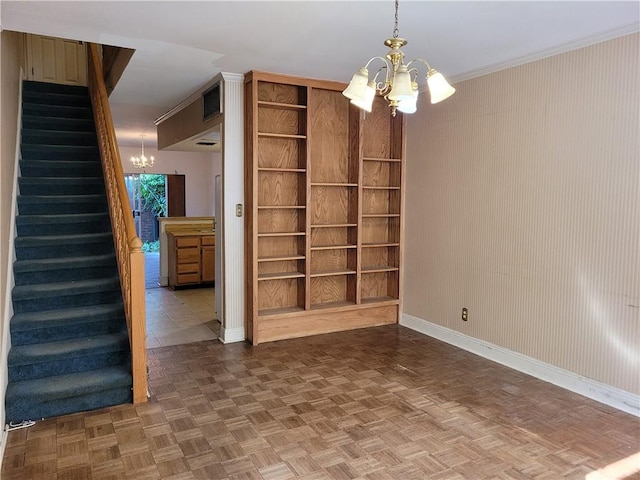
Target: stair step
{"x": 55, "y": 98}
{"x": 66, "y": 323}
{"x": 60, "y": 152}
{"x": 52, "y": 204}
{"x": 51, "y": 296}
{"x": 60, "y": 269}
{"x": 61, "y": 185}
{"x": 35, "y": 86}
{"x": 39, "y": 225}
{"x": 75, "y": 392}
{"x": 63, "y": 245}
{"x": 40, "y": 122}
{"x": 59, "y": 168}
{"x": 65, "y": 349}
{"x": 49, "y": 359}
{"x": 57, "y": 137}
{"x": 62, "y": 111}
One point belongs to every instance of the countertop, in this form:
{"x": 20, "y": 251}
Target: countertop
{"x": 192, "y": 233}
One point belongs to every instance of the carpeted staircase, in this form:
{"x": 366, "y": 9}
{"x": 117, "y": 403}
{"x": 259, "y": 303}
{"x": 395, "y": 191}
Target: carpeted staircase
{"x": 70, "y": 349}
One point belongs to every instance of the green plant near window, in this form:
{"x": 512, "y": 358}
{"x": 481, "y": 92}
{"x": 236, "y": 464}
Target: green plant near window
{"x": 152, "y": 194}
{"x": 148, "y": 247}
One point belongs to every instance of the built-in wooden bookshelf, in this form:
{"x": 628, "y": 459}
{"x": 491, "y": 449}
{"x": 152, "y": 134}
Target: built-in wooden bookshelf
{"x": 323, "y": 186}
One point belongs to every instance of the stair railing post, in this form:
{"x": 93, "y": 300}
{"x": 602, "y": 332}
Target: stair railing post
{"x": 138, "y": 321}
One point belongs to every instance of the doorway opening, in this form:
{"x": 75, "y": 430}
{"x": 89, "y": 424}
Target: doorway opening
{"x": 173, "y": 316}
{"x": 148, "y": 199}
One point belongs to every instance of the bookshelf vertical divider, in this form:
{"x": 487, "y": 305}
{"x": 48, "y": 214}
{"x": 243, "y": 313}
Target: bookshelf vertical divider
{"x": 324, "y": 191}
{"x": 355, "y": 145}
{"x": 307, "y": 225}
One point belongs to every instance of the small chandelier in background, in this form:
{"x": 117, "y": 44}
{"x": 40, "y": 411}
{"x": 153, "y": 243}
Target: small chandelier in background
{"x": 142, "y": 161}
{"x": 400, "y": 86}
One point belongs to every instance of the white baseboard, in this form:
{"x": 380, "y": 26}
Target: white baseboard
{"x": 3, "y": 441}
{"x": 232, "y": 335}
{"x": 612, "y": 396}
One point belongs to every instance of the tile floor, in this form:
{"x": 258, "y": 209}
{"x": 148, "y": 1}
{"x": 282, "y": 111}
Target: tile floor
{"x": 180, "y": 316}
{"x": 373, "y": 404}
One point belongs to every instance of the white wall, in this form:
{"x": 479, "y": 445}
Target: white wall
{"x": 200, "y": 170}
{"x": 11, "y": 59}
{"x": 523, "y": 205}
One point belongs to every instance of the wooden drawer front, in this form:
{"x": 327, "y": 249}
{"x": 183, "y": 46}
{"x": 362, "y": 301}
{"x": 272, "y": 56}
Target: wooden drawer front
{"x": 188, "y": 268}
{"x": 188, "y": 278}
{"x": 188, "y": 255}
{"x": 187, "y": 242}
{"x": 208, "y": 240}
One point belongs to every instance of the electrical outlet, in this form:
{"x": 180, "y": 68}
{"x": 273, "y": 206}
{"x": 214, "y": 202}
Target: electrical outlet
{"x": 465, "y": 314}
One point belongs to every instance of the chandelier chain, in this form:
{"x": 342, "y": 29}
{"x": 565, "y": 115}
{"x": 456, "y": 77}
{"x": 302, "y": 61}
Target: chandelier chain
{"x": 395, "y": 25}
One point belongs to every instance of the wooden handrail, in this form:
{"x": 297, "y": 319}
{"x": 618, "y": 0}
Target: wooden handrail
{"x": 128, "y": 245}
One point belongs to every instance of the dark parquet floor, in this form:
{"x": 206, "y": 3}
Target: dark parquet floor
{"x": 379, "y": 403}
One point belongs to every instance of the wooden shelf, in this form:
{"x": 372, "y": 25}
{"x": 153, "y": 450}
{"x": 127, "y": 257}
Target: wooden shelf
{"x": 371, "y": 159}
{"x": 334, "y": 225}
{"x": 331, "y": 184}
{"x": 279, "y": 275}
{"x": 279, "y": 311}
{"x": 281, "y": 234}
{"x": 381, "y": 215}
{"x": 330, "y": 273}
{"x": 379, "y": 268}
{"x": 281, "y": 135}
{"x": 283, "y": 106}
{"x": 327, "y": 305}
{"x": 381, "y": 244}
{"x": 278, "y": 170}
{"x": 332, "y": 247}
{"x": 281, "y": 207}
{"x": 280, "y": 258}
{"x": 380, "y": 188}
{"x": 382, "y": 299}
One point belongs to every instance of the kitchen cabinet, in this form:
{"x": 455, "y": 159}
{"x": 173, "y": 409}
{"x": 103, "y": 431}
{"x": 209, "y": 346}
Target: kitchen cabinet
{"x": 191, "y": 258}
{"x": 208, "y": 258}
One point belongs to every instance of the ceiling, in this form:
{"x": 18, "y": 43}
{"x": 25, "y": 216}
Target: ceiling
{"x": 180, "y": 46}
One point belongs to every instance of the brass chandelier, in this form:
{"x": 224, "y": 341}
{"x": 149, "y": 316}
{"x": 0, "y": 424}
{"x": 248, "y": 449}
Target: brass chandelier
{"x": 400, "y": 85}
{"x": 142, "y": 161}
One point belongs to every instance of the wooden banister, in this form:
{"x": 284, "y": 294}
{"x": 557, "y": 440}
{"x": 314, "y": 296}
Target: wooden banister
{"x": 128, "y": 245}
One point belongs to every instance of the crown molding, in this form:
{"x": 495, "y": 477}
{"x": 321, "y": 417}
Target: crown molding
{"x": 567, "y": 47}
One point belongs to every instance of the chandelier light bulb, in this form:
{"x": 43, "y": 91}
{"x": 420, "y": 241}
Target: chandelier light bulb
{"x": 358, "y": 84}
{"x": 401, "y": 85}
{"x": 364, "y": 99}
{"x": 438, "y": 86}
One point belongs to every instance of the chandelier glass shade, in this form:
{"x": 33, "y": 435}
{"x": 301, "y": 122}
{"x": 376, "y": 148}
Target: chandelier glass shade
{"x": 142, "y": 161}
{"x": 400, "y": 83}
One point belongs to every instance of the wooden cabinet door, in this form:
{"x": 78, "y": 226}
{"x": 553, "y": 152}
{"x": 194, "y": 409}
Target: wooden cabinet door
{"x": 175, "y": 196}
{"x": 56, "y": 60}
{"x": 208, "y": 263}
